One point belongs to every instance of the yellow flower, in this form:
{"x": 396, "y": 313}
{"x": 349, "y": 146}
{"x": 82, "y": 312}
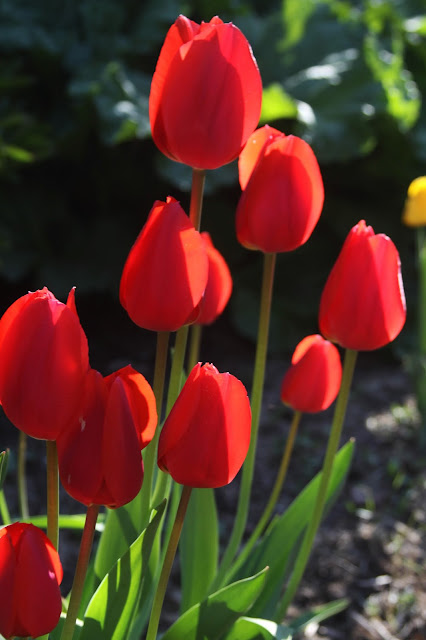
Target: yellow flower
{"x": 414, "y": 214}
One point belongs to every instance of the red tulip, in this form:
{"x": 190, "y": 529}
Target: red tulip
{"x": 282, "y": 194}
{"x": 30, "y": 575}
{"x": 206, "y": 436}
{"x": 99, "y": 454}
{"x": 166, "y": 272}
{"x": 219, "y": 284}
{"x": 313, "y": 380}
{"x": 206, "y": 93}
{"x": 363, "y": 304}
{"x": 43, "y": 363}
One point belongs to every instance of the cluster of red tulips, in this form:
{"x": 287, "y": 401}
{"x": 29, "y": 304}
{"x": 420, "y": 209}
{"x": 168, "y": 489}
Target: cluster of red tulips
{"x": 204, "y": 108}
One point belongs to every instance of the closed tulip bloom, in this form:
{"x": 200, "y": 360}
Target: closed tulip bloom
{"x": 43, "y": 363}
{"x": 363, "y": 304}
{"x": 99, "y": 454}
{"x": 415, "y": 205}
{"x": 219, "y": 284}
{"x": 166, "y": 272}
{"x": 30, "y": 575}
{"x": 312, "y": 382}
{"x": 206, "y": 436}
{"x": 282, "y": 192}
{"x": 206, "y": 93}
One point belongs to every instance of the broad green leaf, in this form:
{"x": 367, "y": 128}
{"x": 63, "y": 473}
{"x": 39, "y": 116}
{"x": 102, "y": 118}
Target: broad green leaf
{"x": 318, "y": 614}
{"x": 198, "y": 547}
{"x": 112, "y": 609}
{"x": 70, "y": 521}
{"x": 258, "y": 629}
{"x": 211, "y": 618}
{"x": 281, "y": 541}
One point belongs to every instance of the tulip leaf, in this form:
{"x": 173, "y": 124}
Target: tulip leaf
{"x": 281, "y": 541}
{"x": 113, "y": 607}
{"x": 318, "y": 614}
{"x": 198, "y": 547}
{"x": 258, "y": 629}
{"x": 4, "y": 459}
{"x": 67, "y": 521}
{"x": 212, "y": 617}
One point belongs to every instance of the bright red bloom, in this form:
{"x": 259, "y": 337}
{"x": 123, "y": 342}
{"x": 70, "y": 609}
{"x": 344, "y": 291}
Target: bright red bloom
{"x": 312, "y": 382}
{"x": 206, "y": 93}
{"x": 206, "y": 436}
{"x": 166, "y": 272}
{"x": 219, "y": 284}
{"x": 99, "y": 454}
{"x": 30, "y": 575}
{"x": 363, "y": 304}
{"x": 43, "y": 363}
{"x": 283, "y": 192}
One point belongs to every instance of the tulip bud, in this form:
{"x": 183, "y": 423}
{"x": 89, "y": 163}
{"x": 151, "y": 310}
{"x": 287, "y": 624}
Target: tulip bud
{"x": 43, "y": 363}
{"x": 99, "y": 454}
{"x": 219, "y": 284}
{"x": 363, "y": 304}
{"x": 415, "y": 206}
{"x": 206, "y": 93}
{"x": 206, "y": 436}
{"x": 283, "y": 192}
{"x": 166, "y": 272}
{"x": 312, "y": 382}
{"x": 30, "y": 575}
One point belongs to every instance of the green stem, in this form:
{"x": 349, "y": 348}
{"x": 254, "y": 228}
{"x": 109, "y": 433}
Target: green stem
{"x": 275, "y": 493}
{"x": 4, "y": 510}
{"x": 420, "y": 370}
{"x": 197, "y": 190}
{"x": 22, "y": 479}
{"x": 256, "y": 406}
{"x": 162, "y": 486}
{"x": 194, "y": 346}
{"x": 52, "y": 493}
{"x": 332, "y": 446}
{"x": 167, "y": 565}
{"x": 80, "y": 572}
{"x": 150, "y": 453}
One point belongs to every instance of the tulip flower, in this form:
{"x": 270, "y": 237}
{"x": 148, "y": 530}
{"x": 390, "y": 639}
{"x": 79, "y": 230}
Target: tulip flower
{"x": 206, "y": 436}
{"x": 312, "y": 382}
{"x": 99, "y": 454}
{"x": 219, "y": 284}
{"x": 363, "y": 304}
{"x": 43, "y": 363}
{"x": 414, "y": 214}
{"x": 30, "y": 575}
{"x": 166, "y": 272}
{"x": 282, "y": 192}
{"x": 206, "y": 93}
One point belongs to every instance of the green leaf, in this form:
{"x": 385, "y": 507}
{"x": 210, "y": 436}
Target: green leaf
{"x": 198, "y": 547}
{"x": 276, "y": 104}
{"x": 211, "y": 618}
{"x": 258, "y": 629}
{"x": 318, "y": 614}
{"x": 281, "y": 541}
{"x": 74, "y": 521}
{"x": 114, "y": 605}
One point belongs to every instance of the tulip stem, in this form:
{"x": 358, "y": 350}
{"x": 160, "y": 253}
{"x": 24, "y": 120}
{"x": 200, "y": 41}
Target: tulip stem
{"x": 22, "y": 479}
{"x": 256, "y": 405}
{"x": 421, "y": 369}
{"x": 162, "y": 486}
{"x": 52, "y": 493}
{"x": 80, "y": 571}
{"x": 167, "y": 565}
{"x": 332, "y": 446}
{"x": 273, "y": 498}
{"x": 194, "y": 346}
{"x": 4, "y": 510}
{"x": 150, "y": 454}
{"x": 197, "y": 190}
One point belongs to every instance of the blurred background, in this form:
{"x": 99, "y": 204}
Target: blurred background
{"x": 79, "y": 171}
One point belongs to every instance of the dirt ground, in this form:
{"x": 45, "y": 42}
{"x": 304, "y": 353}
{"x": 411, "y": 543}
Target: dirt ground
{"x": 372, "y": 547}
